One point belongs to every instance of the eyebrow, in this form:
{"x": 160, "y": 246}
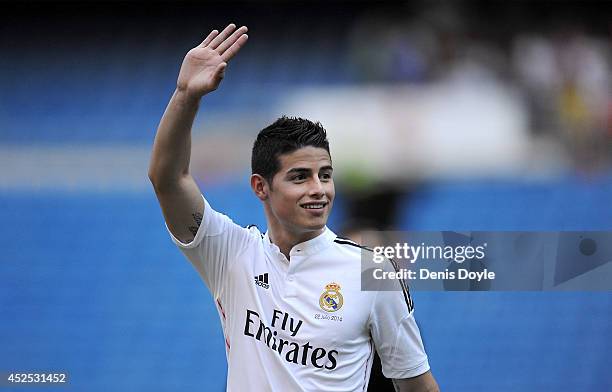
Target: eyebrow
{"x": 298, "y": 170}
{"x": 303, "y": 170}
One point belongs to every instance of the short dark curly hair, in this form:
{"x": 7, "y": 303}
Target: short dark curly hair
{"x": 284, "y": 136}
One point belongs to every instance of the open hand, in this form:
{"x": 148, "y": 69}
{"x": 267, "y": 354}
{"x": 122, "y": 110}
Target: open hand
{"x": 204, "y": 66}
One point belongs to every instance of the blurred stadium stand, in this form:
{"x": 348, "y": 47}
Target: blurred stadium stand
{"x": 562, "y": 204}
{"x": 92, "y": 72}
{"x": 91, "y": 284}
{"x": 89, "y": 280}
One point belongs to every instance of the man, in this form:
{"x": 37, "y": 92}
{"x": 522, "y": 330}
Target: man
{"x": 293, "y": 315}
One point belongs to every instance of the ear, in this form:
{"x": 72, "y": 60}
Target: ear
{"x": 260, "y": 187}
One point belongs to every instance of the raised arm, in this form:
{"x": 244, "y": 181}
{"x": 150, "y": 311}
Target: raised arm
{"x": 201, "y": 72}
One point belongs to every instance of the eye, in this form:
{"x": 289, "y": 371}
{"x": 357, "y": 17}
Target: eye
{"x": 298, "y": 177}
{"x": 325, "y": 176}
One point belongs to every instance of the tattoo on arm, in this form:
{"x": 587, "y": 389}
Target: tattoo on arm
{"x": 197, "y": 217}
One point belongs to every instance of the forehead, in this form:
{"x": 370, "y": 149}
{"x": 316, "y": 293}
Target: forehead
{"x": 306, "y": 157}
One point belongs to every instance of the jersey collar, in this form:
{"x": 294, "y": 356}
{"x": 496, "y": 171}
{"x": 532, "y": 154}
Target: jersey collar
{"x": 309, "y": 247}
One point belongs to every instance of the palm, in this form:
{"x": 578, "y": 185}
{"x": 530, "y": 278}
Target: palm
{"x": 204, "y": 66}
{"x": 198, "y": 72}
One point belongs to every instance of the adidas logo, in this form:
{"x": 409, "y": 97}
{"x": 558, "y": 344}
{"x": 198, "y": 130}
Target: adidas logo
{"x": 262, "y": 280}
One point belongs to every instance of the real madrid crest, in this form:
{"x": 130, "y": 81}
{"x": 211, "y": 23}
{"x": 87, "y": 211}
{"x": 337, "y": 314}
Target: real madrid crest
{"x": 331, "y": 299}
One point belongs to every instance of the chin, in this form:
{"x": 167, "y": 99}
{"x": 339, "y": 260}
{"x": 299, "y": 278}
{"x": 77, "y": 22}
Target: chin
{"x": 313, "y": 226}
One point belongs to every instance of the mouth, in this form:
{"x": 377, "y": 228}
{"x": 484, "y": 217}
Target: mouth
{"x": 314, "y": 205}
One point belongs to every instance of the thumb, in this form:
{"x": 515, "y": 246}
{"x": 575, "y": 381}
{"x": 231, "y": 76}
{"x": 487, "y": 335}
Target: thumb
{"x": 220, "y": 71}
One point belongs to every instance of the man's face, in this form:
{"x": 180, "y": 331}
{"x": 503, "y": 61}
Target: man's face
{"x": 302, "y": 191}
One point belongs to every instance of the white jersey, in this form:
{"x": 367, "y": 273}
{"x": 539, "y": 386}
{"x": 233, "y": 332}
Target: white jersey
{"x": 303, "y": 325}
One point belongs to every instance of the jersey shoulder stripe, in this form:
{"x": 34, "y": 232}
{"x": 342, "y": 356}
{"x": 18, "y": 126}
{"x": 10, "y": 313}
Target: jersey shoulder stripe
{"x": 346, "y": 241}
{"x": 404, "y": 286}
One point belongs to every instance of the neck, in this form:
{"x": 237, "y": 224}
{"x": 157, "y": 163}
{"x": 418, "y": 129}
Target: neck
{"x": 286, "y": 240}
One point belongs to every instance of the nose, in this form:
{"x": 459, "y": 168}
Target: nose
{"x": 316, "y": 189}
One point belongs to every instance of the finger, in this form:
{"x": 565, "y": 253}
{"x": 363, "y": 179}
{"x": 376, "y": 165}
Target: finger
{"x": 210, "y": 37}
{"x": 232, "y": 38}
{"x": 236, "y": 46}
{"x": 222, "y": 36}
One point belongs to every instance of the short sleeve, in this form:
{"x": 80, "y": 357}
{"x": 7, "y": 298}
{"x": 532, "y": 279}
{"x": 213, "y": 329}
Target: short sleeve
{"x": 396, "y": 335}
{"x": 215, "y": 246}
